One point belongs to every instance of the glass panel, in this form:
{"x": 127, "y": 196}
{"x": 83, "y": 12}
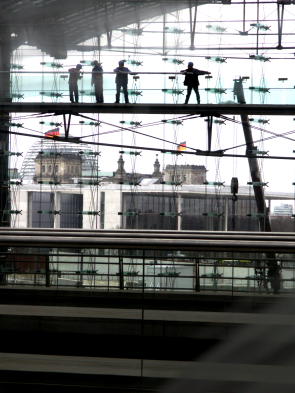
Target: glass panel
{"x": 42, "y": 206}
{"x": 71, "y": 205}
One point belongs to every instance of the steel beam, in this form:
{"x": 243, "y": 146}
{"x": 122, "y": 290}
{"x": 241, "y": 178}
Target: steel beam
{"x": 192, "y": 24}
{"x": 264, "y": 220}
{"x": 152, "y": 109}
{"x": 253, "y": 162}
{"x": 150, "y": 234}
{"x": 5, "y": 52}
{"x": 248, "y": 245}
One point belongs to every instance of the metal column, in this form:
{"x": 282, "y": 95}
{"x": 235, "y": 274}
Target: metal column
{"x": 5, "y": 51}
{"x": 262, "y": 210}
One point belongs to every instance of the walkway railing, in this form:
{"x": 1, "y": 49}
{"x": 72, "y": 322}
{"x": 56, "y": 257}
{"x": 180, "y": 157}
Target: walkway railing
{"x": 148, "y": 260}
{"x": 143, "y": 87}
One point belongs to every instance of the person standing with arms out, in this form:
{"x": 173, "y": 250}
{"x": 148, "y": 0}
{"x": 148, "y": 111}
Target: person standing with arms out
{"x": 97, "y": 81}
{"x": 121, "y": 81}
{"x": 191, "y": 80}
{"x": 75, "y": 74}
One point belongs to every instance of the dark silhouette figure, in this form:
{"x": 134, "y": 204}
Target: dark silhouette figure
{"x": 75, "y": 74}
{"x": 97, "y": 81}
{"x": 121, "y": 81}
{"x": 191, "y": 80}
{"x": 260, "y": 275}
{"x": 274, "y": 277}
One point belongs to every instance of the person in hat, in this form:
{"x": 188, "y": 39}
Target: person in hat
{"x": 191, "y": 80}
{"x": 97, "y": 81}
{"x": 121, "y": 81}
{"x": 75, "y": 74}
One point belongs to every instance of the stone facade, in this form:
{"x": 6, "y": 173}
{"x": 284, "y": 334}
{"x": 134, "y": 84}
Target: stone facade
{"x": 61, "y": 168}
{"x": 185, "y": 174}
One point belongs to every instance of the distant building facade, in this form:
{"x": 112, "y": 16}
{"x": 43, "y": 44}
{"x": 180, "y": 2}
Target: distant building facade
{"x": 63, "y": 188}
{"x": 185, "y": 174}
{"x": 62, "y": 168}
{"x": 283, "y": 209}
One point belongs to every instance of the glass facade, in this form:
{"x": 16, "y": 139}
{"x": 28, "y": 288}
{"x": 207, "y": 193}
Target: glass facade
{"x": 41, "y": 208}
{"x": 37, "y": 77}
{"x": 44, "y": 214}
{"x": 192, "y": 212}
{"x": 149, "y": 211}
{"x": 71, "y": 205}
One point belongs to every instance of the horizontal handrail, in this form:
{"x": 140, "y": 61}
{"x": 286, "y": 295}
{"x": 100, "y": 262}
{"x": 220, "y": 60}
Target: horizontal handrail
{"x": 280, "y": 244}
{"x": 210, "y": 235}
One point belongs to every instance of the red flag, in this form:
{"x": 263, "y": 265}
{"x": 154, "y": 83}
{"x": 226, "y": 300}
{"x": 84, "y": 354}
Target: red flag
{"x": 52, "y": 133}
{"x": 181, "y": 146}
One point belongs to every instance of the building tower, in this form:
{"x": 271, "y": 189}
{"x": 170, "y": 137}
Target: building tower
{"x": 157, "y": 172}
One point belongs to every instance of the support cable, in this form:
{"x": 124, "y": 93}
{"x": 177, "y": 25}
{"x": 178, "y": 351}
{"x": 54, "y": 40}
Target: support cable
{"x": 197, "y": 152}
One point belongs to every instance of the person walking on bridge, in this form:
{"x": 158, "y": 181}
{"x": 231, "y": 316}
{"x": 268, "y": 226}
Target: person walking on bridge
{"x": 121, "y": 81}
{"x": 97, "y": 81}
{"x": 191, "y": 80}
{"x": 75, "y": 74}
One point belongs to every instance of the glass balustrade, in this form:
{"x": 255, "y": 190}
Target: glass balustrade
{"x": 145, "y": 88}
{"x": 149, "y": 270}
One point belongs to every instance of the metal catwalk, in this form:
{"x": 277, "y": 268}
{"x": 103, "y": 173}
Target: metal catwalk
{"x": 153, "y": 109}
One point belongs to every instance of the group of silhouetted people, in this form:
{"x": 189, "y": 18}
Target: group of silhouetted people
{"x": 191, "y": 80}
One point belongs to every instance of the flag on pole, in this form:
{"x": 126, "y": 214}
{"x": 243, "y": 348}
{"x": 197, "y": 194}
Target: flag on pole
{"x": 52, "y": 133}
{"x": 181, "y": 146}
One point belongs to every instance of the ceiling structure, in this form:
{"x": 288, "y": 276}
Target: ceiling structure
{"x": 56, "y": 26}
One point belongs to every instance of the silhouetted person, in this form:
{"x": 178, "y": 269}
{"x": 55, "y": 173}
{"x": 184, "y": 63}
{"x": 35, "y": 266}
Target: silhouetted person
{"x": 191, "y": 80}
{"x": 260, "y": 276}
{"x": 75, "y": 74}
{"x": 121, "y": 81}
{"x": 97, "y": 81}
{"x": 274, "y": 277}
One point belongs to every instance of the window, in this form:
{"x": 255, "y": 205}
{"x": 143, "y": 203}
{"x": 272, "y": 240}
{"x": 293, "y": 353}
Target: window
{"x": 152, "y": 211}
{"x": 41, "y": 204}
{"x": 71, "y": 205}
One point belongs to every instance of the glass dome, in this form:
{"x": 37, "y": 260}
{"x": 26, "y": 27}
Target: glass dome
{"x": 87, "y": 153}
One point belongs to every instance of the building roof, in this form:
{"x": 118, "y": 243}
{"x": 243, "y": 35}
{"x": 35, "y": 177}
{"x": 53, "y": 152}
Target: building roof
{"x": 185, "y": 166}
